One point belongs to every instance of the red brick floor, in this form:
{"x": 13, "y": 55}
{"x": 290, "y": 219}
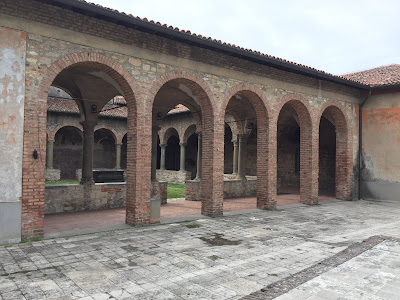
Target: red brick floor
{"x": 175, "y": 209}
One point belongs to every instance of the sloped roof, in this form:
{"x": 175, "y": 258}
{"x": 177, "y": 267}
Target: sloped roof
{"x": 170, "y": 32}
{"x": 70, "y": 106}
{"x": 381, "y": 76}
{"x": 109, "y": 110}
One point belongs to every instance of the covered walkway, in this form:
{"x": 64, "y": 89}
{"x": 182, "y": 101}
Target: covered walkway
{"x": 177, "y": 209}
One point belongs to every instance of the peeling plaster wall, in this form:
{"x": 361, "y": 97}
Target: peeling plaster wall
{"x": 12, "y": 94}
{"x": 381, "y": 147}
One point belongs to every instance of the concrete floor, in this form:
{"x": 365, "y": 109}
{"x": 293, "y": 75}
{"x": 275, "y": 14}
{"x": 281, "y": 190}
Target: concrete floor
{"x": 336, "y": 250}
{"x": 175, "y": 210}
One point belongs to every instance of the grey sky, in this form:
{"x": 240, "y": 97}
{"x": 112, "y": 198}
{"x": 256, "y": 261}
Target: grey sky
{"x": 335, "y": 36}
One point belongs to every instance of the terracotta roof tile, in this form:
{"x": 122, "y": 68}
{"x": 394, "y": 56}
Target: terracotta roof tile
{"x": 381, "y": 76}
{"x": 178, "y": 109}
{"x": 109, "y": 110}
{"x": 70, "y": 106}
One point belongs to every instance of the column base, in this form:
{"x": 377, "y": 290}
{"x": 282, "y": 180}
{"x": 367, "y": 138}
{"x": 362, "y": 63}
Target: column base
{"x": 87, "y": 181}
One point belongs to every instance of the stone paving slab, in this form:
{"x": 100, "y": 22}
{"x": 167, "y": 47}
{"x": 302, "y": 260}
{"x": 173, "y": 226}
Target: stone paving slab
{"x": 222, "y": 258}
{"x": 373, "y": 275}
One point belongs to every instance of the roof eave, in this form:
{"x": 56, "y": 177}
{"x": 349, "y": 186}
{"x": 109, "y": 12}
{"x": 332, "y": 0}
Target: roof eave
{"x": 145, "y": 26}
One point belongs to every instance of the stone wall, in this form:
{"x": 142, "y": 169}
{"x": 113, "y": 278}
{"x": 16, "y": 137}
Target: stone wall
{"x": 233, "y": 188}
{"x": 72, "y": 198}
{"x": 173, "y": 176}
{"x": 76, "y": 197}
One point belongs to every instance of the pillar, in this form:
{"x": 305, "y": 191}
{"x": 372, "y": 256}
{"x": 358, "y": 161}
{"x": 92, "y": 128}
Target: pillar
{"x": 235, "y": 157}
{"x": 88, "y": 148}
{"x": 50, "y": 150}
{"x": 182, "y": 164}
{"x": 154, "y": 136}
{"x": 162, "y": 158}
{"x": 118, "y": 157}
{"x": 199, "y": 155}
{"x": 242, "y": 156}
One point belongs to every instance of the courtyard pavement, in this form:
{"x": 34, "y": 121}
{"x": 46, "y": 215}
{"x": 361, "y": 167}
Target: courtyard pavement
{"x": 335, "y": 250}
{"x": 64, "y": 224}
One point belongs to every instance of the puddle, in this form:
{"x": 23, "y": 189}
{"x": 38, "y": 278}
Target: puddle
{"x": 218, "y": 240}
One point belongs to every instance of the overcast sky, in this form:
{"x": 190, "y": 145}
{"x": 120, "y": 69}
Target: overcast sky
{"x": 334, "y": 36}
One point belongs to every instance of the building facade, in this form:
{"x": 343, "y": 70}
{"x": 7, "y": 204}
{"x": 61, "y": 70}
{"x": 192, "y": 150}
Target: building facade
{"x": 301, "y": 120}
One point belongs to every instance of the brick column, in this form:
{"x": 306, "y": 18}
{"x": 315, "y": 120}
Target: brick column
{"x": 88, "y": 147}
{"x": 182, "y": 161}
{"x": 235, "y": 157}
{"x": 199, "y": 156}
{"x": 309, "y": 164}
{"x": 154, "y": 133}
{"x": 242, "y": 155}
{"x": 162, "y": 159}
{"x": 118, "y": 156}
{"x": 50, "y": 150}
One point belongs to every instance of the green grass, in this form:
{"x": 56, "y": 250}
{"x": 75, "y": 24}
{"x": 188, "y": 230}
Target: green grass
{"x": 176, "y": 190}
{"x": 62, "y": 182}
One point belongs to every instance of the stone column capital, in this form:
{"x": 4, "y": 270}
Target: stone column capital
{"x": 163, "y": 145}
{"x": 183, "y": 144}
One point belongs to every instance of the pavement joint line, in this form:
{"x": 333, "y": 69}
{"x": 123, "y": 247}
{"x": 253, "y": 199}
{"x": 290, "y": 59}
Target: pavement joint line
{"x": 284, "y": 285}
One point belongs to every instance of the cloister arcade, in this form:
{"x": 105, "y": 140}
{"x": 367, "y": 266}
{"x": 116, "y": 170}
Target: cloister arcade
{"x": 243, "y": 148}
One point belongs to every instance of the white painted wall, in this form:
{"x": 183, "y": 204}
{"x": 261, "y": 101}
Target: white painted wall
{"x": 12, "y": 95}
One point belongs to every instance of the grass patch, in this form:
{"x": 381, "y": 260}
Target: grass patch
{"x": 176, "y": 190}
{"x": 57, "y": 182}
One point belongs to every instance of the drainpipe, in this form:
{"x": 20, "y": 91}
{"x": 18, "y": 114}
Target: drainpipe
{"x": 360, "y": 143}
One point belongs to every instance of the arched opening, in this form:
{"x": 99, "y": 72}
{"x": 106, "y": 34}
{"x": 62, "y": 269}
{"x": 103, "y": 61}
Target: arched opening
{"x": 191, "y": 155}
{"x": 82, "y": 91}
{"x": 296, "y": 154}
{"x": 335, "y": 165}
{"x": 173, "y": 153}
{"x": 186, "y": 100}
{"x": 327, "y": 157}
{"x": 288, "y": 154}
{"x": 245, "y": 178}
{"x": 228, "y": 150}
{"x": 104, "y": 156}
{"x": 68, "y": 152}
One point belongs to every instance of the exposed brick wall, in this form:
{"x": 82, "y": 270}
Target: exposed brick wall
{"x": 140, "y": 80}
{"x": 67, "y": 19}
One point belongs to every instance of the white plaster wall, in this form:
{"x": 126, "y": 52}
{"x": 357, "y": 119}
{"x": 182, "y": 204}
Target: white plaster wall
{"x": 12, "y": 94}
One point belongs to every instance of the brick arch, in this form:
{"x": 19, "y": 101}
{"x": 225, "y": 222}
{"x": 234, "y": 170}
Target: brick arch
{"x": 188, "y": 132}
{"x": 344, "y": 146}
{"x": 266, "y": 174}
{"x": 195, "y": 83}
{"x": 211, "y": 182}
{"x": 117, "y": 137}
{"x": 33, "y": 177}
{"x": 52, "y": 133}
{"x": 308, "y": 146}
{"x": 167, "y": 134}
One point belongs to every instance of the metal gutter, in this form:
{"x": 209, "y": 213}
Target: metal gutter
{"x": 170, "y": 33}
